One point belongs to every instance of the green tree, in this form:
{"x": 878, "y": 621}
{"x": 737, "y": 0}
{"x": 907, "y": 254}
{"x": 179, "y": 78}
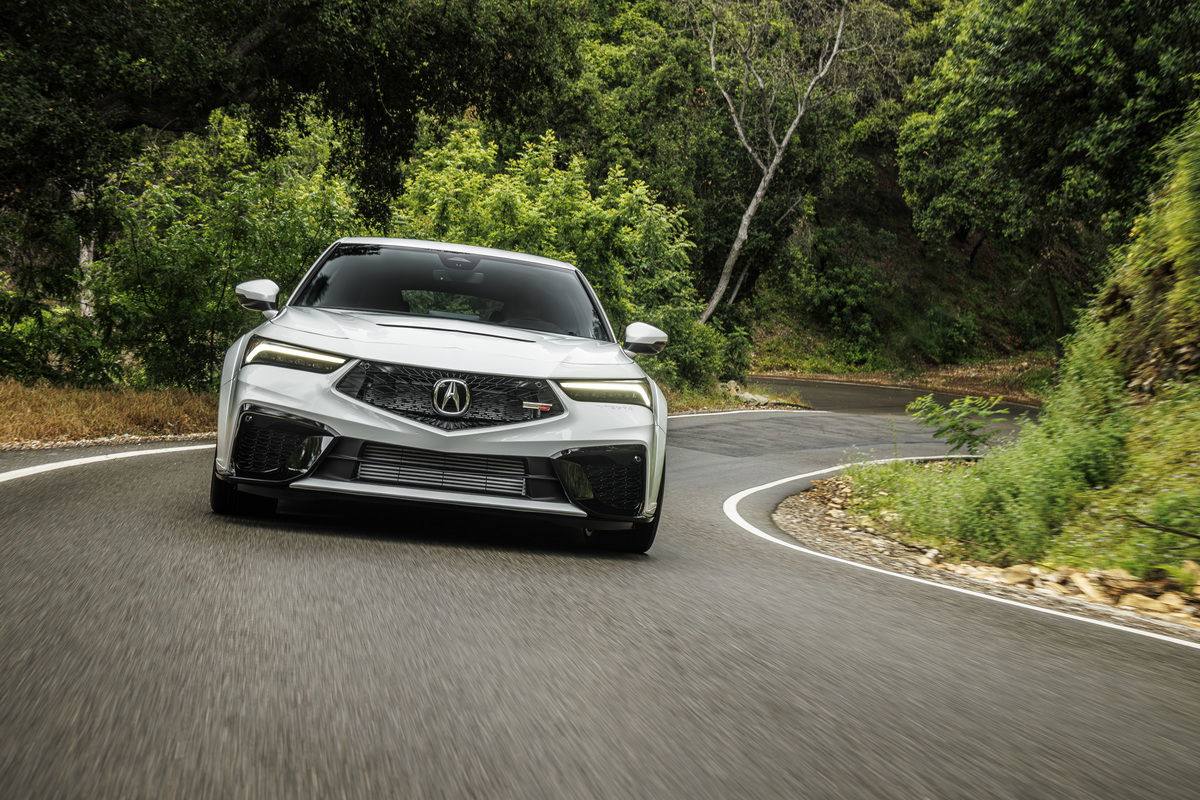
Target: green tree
{"x": 82, "y": 83}
{"x": 196, "y": 217}
{"x": 633, "y": 249}
{"x": 644, "y": 99}
{"x": 1038, "y": 125}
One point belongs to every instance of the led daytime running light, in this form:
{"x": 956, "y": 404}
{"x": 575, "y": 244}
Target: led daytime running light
{"x": 264, "y": 351}
{"x": 628, "y": 392}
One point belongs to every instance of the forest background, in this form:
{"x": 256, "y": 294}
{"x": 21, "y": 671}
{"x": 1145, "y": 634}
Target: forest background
{"x": 805, "y": 185}
{"x": 951, "y": 192}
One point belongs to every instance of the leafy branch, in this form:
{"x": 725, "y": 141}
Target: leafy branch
{"x": 962, "y": 422}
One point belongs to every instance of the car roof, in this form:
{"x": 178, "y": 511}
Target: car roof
{"x": 456, "y": 248}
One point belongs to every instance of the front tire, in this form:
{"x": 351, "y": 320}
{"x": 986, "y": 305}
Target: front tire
{"x": 225, "y": 498}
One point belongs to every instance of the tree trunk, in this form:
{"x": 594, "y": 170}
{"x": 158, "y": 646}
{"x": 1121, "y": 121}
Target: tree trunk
{"x": 740, "y": 240}
{"x": 737, "y": 287}
{"x": 87, "y": 297}
{"x": 975, "y": 249}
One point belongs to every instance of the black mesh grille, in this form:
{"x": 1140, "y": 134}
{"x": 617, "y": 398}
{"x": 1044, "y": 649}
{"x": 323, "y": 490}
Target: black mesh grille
{"x": 617, "y": 485}
{"x": 261, "y": 451}
{"x": 385, "y": 463}
{"x": 408, "y": 392}
{"x": 607, "y": 481}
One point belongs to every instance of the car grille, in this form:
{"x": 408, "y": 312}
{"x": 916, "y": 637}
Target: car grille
{"x": 384, "y": 463}
{"x": 408, "y": 392}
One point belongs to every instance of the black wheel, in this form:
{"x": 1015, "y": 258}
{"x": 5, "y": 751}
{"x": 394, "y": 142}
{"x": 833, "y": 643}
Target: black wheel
{"x": 640, "y": 537}
{"x": 225, "y": 498}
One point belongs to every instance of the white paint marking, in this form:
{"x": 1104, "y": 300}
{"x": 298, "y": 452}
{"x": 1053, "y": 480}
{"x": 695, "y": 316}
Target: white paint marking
{"x": 731, "y": 511}
{"x": 24, "y": 472}
{"x": 730, "y": 508}
{"x": 37, "y": 469}
{"x": 685, "y": 415}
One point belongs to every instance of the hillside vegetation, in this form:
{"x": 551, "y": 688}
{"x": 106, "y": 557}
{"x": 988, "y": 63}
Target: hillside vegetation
{"x": 846, "y": 185}
{"x": 1109, "y": 476}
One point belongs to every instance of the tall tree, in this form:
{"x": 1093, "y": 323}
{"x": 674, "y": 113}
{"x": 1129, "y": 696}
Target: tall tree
{"x": 771, "y": 62}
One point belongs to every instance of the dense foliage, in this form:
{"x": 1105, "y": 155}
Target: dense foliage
{"x": 949, "y": 195}
{"x": 196, "y": 218}
{"x": 1105, "y": 477}
{"x": 1038, "y": 125}
{"x": 1042, "y": 116}
{"x": 83, "y": 83}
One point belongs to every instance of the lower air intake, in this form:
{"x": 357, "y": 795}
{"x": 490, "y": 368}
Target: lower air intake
{"x": 383, "y": 463}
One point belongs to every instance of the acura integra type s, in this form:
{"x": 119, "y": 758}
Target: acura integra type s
{"x": 445, "y": 375}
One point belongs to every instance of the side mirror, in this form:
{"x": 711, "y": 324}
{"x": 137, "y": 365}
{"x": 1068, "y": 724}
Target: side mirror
{"x": 644, "y": 339}
{"x": 259, "y": 295}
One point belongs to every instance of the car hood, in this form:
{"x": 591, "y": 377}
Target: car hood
{"x": 449, "y": 344}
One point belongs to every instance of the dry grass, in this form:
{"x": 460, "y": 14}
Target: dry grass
{"x": 42, "y": 415}
{"x": 1023, "y": 379}
{"x": 41, "y": 412}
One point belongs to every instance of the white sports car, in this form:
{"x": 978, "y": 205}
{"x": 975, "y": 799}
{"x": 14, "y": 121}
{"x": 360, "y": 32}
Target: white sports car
{"x": 444, "y": 375}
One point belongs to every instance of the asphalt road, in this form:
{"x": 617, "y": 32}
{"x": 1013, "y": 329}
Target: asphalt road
{"x": 150, "y": 649}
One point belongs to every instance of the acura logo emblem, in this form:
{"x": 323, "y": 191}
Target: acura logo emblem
{"x": 451, "y": 398}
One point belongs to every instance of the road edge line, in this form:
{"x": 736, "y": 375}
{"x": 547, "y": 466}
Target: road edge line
{"x": 730, "y": 508}
{"x": 50, "y": 466}
{"x": 686, "y": 414}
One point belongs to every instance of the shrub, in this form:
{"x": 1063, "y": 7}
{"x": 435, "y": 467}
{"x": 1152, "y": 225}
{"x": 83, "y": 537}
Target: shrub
{"x": 1142, "y": 521}
{"x": 1013, "y": 503}
{"x": 198, "y": 216}
{"x": 41, "y": 342}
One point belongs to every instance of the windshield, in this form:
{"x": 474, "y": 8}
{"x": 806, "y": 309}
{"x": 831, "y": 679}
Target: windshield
{"x": 460, "y": 286}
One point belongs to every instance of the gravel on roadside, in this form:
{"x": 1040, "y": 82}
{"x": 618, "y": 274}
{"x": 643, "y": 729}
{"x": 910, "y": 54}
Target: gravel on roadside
{"x": 124, "y": 438}
{"x": 833, "y": 531}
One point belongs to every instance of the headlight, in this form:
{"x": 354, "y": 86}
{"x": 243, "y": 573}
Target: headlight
{"x": 264, "y": 351}
{"x": 632, "y": 392}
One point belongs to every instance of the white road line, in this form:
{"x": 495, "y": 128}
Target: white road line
{"x": 25, "y": 472}
{"x": 731, "y": 511}
{"x": 37, "y": 469}
{"x": 685, "y": 415}
{"x": 730, "y": 508}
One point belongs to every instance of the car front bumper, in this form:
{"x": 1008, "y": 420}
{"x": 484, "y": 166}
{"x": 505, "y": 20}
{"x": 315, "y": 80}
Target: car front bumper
{"x": 342, "y": 429}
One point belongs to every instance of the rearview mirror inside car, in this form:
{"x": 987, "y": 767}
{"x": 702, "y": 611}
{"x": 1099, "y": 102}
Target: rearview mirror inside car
{"x": 260, "y": 295}
{"x": 644, "y": 339}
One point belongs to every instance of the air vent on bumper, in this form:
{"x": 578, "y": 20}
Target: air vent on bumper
{"x": 384, "y": 463}
{"x": 607, "y": 481}
{"x": 275, "y": 446}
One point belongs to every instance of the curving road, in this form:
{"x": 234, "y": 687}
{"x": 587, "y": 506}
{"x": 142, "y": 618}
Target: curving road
{"x": 149, "y": 649}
